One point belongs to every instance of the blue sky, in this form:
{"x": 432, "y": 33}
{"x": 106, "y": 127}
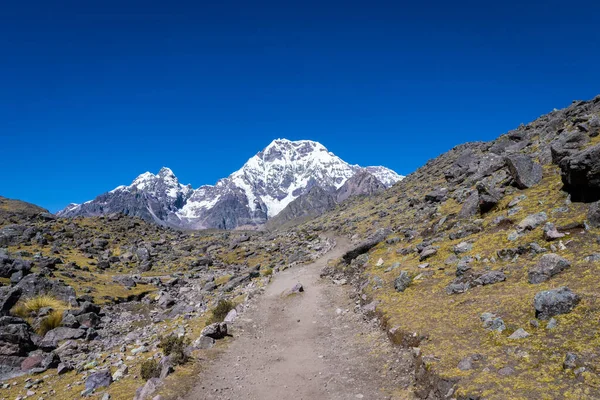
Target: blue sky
{"x": 94, "y": 93}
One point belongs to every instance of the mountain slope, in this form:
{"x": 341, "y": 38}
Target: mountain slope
{"x": 264, "y": 186}
{"x": 469, "y": 255}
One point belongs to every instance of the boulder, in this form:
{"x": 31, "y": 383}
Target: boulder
{"x": 532, "y": 221}
{"x": 488, "y": 197}
{"x": 149, "y": 388}
{"x": 580, "y": 174}
{"x": 470, "y": 207}
{"x": 593, "y": 215}
{"x": 525, "y": 172}
{"x": 492, "y": 323}
{"x": 402, "y": 281}
{"x": 437, "y": 195}
{"x": 567, "y": 144}
{"x": 549, "y": 303}
{"x": 519, "y": 334}
{"x": 16, "y": 337}
{"x": 35, "y": 284}
{"x": 364, "y": 246}
{"x": 427, "y": 252}
{"x": 9, "y": 296}
{"x": 489, "y": 278}
{"x": 98, "y": 380}
{"x": 547, "y": 266}
{"x": 217, "y": 330}
{"x": 551, "y": 233}
{"x": 57, "y": 335}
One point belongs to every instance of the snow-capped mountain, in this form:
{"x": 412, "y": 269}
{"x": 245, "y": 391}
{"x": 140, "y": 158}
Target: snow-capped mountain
{"x": 262, "y": 188}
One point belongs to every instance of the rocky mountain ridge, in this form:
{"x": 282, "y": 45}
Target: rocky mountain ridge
{"x": 485, "y": 262}
{"x": 261, "y": 189}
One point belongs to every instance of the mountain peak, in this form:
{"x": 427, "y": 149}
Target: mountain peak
{"x": 265, "y": 185}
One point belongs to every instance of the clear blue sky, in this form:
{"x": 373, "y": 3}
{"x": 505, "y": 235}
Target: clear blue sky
{"x": 93, "y": 93}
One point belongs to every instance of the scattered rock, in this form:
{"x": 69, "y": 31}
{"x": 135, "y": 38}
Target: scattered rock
{"x": 97, "y": 380}
{"x": 551, "y": 233}
{"x": 402, "y": 281}
{"x": 548, "y": 266}
{"x": 492, "y": 323}
{"x": 490, "y": 278}
{"x": 217, "y": 330}
{"x": 532, "y": 221}
{"x": 525, "y": 172}
{"x": 549, "y": 303}
{"x": 593, "y": 215}
{"x": 519, "y": 334}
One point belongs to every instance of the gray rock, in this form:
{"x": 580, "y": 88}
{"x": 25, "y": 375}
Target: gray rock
{"x": 580, "y": 174}
{"x": 492, "y": 323}
{"x": 465, "y": 364}
{"x": 365, "y": 246}
{"x": 552, "y": 323}
{"x": 402, "y": 281}
{"x": 593, "y": 216}
{"x": 547, "y": 266}
{"x": 470, "y": 207}
{"x": 551, "y": 233}
{"x": 457, "y": 287}
{"x": 34, "y": 285}
{"x": 571, "y": 361}
{"x": 532, "y": 221}
{"x": 63, "y": 368}
{"x": 506, "y": 371}
{"x": 98, "y": 379}
{"x": 525, "y": 172}
{"x": 549, "y": 303}
{"x": 204, "y": 342}
{"x": 217, "y": 330}
{"x": 298, "y": 288}
{"x": 463, "y": 247}
{"x": 489, "y": 197}
{"x": 149, "y": 388}
{"x": 519, "y": 334}
{"x": 165, "y": 300}
{"x": 437, "y": 196}
{"x": 516, "y": 200}
{"x": 490, "y": 278}
{"x": 427, "y": 252}
{"x": 57, "y": 335}
{"x": 9, "y": 296}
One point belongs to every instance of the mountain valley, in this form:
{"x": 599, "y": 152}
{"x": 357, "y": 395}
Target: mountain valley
{"x": 474, "y": 277}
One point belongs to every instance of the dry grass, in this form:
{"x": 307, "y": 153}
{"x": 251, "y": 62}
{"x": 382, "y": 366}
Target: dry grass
{"x": 25, "y": 308}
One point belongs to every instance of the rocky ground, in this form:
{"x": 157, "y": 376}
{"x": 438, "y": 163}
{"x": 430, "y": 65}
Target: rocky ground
{"x": 85, "y": 301}
{"x": 487, "y": 260}
{"x": 306, "y": 339}
{"x": 481, "y": 268}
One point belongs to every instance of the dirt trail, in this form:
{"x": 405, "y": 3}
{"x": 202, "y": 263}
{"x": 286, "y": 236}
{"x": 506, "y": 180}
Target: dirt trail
{"x": 306, "y": 346}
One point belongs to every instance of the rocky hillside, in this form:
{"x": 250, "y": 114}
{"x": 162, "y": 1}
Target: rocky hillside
{"x": 486, "y": 260}
{"x": 261, "y": 189}
{"x": 109, "y": 305}
{"x": 12, "y": 211}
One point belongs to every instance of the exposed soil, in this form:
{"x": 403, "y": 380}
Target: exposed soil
{"x": 311, "y": 345}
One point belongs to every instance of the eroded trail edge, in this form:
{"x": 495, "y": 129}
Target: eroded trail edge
{"x": 311, "y": 345}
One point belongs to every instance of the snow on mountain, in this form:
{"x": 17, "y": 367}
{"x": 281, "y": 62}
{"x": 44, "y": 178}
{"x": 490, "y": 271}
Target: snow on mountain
{"x": 261, "y": 189}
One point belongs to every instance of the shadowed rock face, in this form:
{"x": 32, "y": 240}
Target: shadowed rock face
{"x": 261, "y": 189}
{"x": 314, "y": 203}
{"x": 363, "y": 183}
{"x": 581, "y": 174}
{"x": 318, "y": 201}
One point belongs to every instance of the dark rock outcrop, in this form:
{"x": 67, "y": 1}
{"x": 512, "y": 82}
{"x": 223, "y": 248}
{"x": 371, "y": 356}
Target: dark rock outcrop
{"x": 549, "y": 303}
{"x": 581, "y": 174}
